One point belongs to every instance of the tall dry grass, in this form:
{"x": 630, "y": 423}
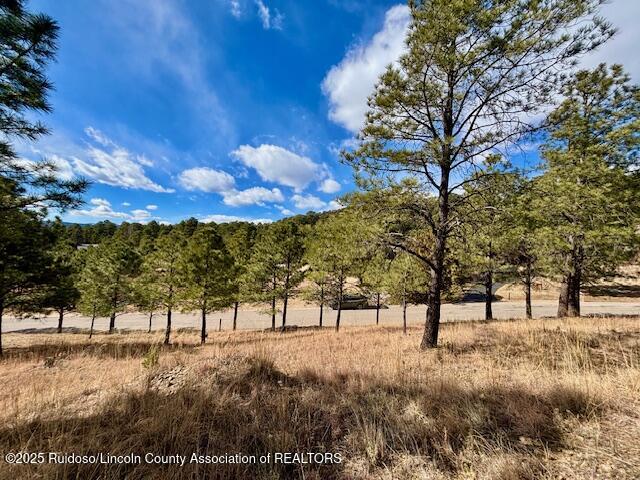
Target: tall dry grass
{"x": 500, "y": 400}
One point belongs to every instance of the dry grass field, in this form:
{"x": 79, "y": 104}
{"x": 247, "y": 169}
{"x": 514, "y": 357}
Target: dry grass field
{"x": 502, "y": 400}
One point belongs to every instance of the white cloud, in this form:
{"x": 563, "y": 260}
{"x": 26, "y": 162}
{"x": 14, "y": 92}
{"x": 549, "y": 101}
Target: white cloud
{"x": 217, "y": 181}
{"x": 269, "y": 20}
{"x": 126, "y": 204}
{"x": 102, "y": 210}
{"x": 113, "y": 165}
{"x": 151, "y": 207}
{"x": 308, "y": 202}
{"x": 140, "y": 215}
{"x": 284, "y": 211}
{"x": 334, "y": 205}
{"x": 349, "y": 84}
{"x": 206, "y": 180}
{"x": 100, "y": 202}
{"x": 279, "y": 165}
{"x": 252, "y": 196}
{"x": 329, "y": 185}
{"x": 622, "y": 48}
{"x": 219, "y": 218}
{"x": 97, "y": 136}
{"x": 236, "y": 11}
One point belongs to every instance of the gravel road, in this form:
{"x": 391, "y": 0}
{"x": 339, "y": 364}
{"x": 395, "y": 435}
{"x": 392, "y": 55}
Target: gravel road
{"x": 304, "y": 316}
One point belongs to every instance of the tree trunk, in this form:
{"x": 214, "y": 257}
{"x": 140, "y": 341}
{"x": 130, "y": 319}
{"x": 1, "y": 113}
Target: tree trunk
{"x": 114, "y": 307}
{"x": 574, "y": 293}
{"x": 112, "y": 322}
{"x": 273, "y": 314}
{"x": 167, "y": 334}
{"x": 1, "y": 313}
{"x": 150, "y": 318}
{"x": 321, "y": 304}
{"x": 235, "y": 315}
{"x": 60, "y": 319}
{"x": 284, "y": 309}
{"x": 339, "y": 307}
{"x": 432, "y": 325}
{"x": 404, "y": 316}
{"x": 378, "y": 309}
{"x": 527, "y": 291}
{"x": 488, "y": 295}
{"x": 93, "y": 321}
{"x": 203, "y": 332}
{"x": 563, "y": 299}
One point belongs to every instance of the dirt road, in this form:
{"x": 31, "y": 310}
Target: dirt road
{"x": 254, "y": 319}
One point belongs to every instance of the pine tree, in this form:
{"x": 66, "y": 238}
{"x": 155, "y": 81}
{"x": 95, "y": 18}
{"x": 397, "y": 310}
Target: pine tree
{"x": 93, "y": 286}
{"x": 207, "y": 271}
{"x": 336, "y": 249}
{"x": 487, "y": 219}
{"x": 161, "y": 272}
{"x": 114, "y": 264}
{"x": 275, "y": 268}
{"x": 473, "y": 79}
{"x": 406, "y": 282}
{"x": 240, "y": 245}
{"x": 587, "y": 199}
{"x": 24, "y": 262}
{"x": 28, "y": 42}
{"x": 61, "y": 292}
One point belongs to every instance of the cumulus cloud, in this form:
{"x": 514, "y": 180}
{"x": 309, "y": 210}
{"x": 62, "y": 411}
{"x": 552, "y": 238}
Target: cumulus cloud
{"x": 206, "y": 180}
{"x": 279, "y": 165}
{"x": 308, "y": 202}
{"x": 219, "y": 218}
{"x": 114, "y": 165}
{"x": 329, "y": 185}
{"x": 102, "y": 209}
{"x": 284, "y": 210}
{"x": 151, "y": 207}
{"x": 252, "y": 196}
{"x": 217, "y": 181}
{"x": 349, "y": 84}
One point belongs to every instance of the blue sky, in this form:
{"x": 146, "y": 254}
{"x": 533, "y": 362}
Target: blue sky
{"x": 222, "y": 109}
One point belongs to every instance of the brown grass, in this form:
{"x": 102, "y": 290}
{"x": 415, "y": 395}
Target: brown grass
{"x": 500, "y": 400}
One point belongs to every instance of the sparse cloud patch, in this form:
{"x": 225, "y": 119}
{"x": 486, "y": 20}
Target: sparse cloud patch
{"x": 349, "y": 84}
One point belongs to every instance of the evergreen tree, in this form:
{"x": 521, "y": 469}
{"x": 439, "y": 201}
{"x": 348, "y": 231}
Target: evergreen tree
{"x": 587, "y": 198}
{"x": 336, "y": 249}
{"x": 145, "y": 298}
{"x": 207, "y": 271}
{"x": 376, "y": 270}
{"x": 28, "y": 42}
{"x": 161, "y": 272}
{"x": 240, "y": 244}
{"x": 290, "y": 238}
{"x": 61, "y": 292}
{"x": 406, "y": 282}
{"x": 275, "y": 268}
{"x": 24, "y": 262}
{"x": 487, "y": 220}
{"x": 93, "y": 287}
{"x": 114, "y": 264}
{"x": 473, "y": 79}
